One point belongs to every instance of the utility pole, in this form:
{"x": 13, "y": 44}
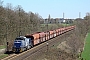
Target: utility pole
{"x": 79, "y": 14}
{"x": 48, "y": 21}
{"x": 63, "y": 18}
{"x": 19, "y": 23}
{"x": 47, "y": 24}
{"x": 6, "y": 36}
{"x": 63, "y": 15}
{"x": 7, "y": 26}
{"x": 65, "y": 23}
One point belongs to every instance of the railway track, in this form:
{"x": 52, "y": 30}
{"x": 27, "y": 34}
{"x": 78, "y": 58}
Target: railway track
{"x": 9, "y": 57}
{"x": 27, "y": 55}
{"x": 51, "y": 43}
{"x": 23, "y": 55}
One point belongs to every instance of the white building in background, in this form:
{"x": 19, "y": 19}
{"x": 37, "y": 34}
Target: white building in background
{"x": 57, "y": 20}
{"x": 64, "y": 21}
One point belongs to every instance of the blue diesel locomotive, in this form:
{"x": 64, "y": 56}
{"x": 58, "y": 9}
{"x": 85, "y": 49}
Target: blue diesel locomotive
{"x": 22, "y": 43}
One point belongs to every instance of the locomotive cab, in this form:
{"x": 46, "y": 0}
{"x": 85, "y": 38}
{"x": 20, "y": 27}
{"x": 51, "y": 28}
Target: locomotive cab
{"x": 31, "y": 42}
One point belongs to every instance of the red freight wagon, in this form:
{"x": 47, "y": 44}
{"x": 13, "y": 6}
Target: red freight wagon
{"x": 51, "y": 34}
{"x": 73, "y": 27}
{"x": 69, "y": 28}
{"x": 54, "y": 33}
{"x": 34, "y": 37}
{"x": 42, "y": 36}
{"x": 59, "y": 31}
{"x": 47, "y": 35}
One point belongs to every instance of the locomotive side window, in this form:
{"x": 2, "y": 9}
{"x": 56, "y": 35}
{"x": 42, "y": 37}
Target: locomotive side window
{"x": 19, "y": 39}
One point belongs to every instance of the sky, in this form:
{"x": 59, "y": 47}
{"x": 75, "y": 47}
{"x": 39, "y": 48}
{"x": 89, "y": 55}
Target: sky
{"x": 55, "y": 8}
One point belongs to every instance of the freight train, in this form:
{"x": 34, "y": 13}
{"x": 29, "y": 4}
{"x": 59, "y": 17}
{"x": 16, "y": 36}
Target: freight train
{"x": 28, "y": 41}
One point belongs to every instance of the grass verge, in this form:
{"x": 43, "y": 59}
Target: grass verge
{"x": 86, "y": 53}
{"x": 3, "y": 56}
{"x": 2, "y": 47}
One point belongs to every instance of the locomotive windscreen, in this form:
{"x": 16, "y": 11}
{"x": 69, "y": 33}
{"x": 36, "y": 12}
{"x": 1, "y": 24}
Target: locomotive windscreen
{"x": 19, "y": 39}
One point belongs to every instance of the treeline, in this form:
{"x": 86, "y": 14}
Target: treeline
{"x": 77, "y": 38}
{"x": 83, "y": 25}
{"x": 15, "y": 22}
